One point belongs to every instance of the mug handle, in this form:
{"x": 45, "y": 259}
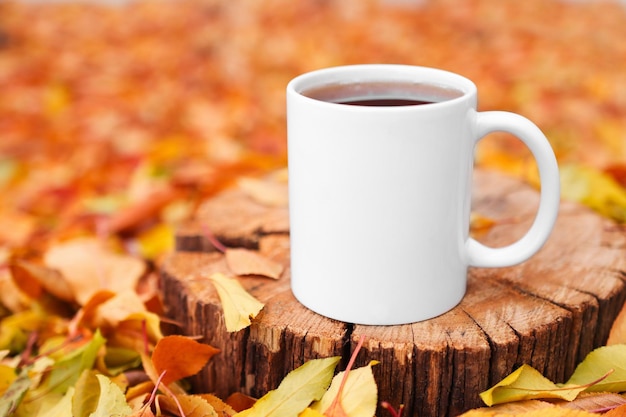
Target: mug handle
{"x": 499, "y": 121}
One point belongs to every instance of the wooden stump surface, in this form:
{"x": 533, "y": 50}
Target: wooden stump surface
{"x": 548, "y": 312}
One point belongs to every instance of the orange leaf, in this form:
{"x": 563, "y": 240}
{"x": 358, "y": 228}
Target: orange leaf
{"x": 180, "y": 357}
{"x": 239, "y": 401}
{"x": 248, "y": 262}
{"x": 32, "y": 279}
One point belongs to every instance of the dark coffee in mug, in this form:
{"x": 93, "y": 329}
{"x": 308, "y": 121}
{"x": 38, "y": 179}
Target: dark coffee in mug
{"x": 382, "y": 93}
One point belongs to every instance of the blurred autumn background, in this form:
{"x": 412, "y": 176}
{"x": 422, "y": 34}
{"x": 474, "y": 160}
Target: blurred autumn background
{"x": 117, "y": 120}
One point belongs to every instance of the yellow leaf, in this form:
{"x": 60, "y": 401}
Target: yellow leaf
{"x": 359, "y": 395}
{"x": 7, "y": 376}
{"x": 191, "y": 405}
{"x": 156, "y": 241}
{"x": 309, "y": 412}
{"x": 594, "y": 189}
{"x": 597, "y": 364}
{"x": 112, "y": 401}
{"x": 297, "y": 390}
{"x": 527, "y": 383}
{"x": 243, "y": 261}
{"x": 237, "y": 303}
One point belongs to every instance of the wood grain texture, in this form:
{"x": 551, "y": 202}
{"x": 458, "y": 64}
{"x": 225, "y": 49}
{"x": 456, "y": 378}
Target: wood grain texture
{"x": 548, "y": 312}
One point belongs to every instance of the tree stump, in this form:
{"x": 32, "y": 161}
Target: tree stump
{"x": 548, "y": 312}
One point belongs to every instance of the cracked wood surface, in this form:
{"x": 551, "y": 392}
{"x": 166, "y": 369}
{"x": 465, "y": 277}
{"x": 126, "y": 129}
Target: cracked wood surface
{"x": 548, "y": 312}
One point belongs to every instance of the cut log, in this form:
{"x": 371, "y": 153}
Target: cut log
{"x": 548, "y": 312}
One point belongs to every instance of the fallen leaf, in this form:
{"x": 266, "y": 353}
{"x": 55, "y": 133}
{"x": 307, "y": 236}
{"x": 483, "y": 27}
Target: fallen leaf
{"x": 68, "y": 367}
{"x": 112, "y": 401}
{"x": 190, "y": 405}
{"x": 243, "y": 261}
{"x": 220, "y": 407}
{"x": 617, "y": 335}
{"x": 145, "y": 208}
{"x": 238, "y": 305}
{"x": 86, "y": 394}
{"x": 508, "y": 409}
{"x": 309, "y": 412}
{"x": 594, "y": 189}
{"x": 297, "y": 390}
{"x": 604, "y": 360}
{"x": 14, "y": 394}
{"x": 596, "y": 403}
{"x": 618, "y": 172}
{"x": 180, "y": 357}
{"x": 240, "y": 401}
{"x": 62, "y": 407}
{"x": 112, "y": 311}
{"x": 139, "y": 331}
{"x": 479, "y": 224}
{"x": 266, "y": 192}
{"x": 527, "y": 383}
{"x": 359, "y": 396}
{"x": 616, "y": 412}
{"x": 544, "y": 412}
{"x": 89, "y": 266}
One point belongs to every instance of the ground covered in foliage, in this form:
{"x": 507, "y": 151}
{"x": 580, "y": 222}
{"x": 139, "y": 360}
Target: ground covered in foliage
{"x": 116, "y": 121}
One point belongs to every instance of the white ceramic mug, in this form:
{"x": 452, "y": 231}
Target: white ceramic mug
{"x": 379, "y": 196}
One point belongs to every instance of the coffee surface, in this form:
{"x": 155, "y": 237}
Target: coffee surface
{"x": 382, "y": 94}
{"x": 384, "y": 102}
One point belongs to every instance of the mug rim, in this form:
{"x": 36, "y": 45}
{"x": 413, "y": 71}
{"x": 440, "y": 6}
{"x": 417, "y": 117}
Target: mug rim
{"x": 356, "y": 73}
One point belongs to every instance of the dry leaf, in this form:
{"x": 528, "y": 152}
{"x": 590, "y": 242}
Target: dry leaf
{"x": 243, "y": 261}
{"x": 191, "y": 405}
{"x": 240, "y": 401}
{"x": 88, "y": 266}
{"x": 606, "y": 366}
{"x": 596, "y": 403}
{"x": 359, "y": 395}
{"x": 238, "y": 305}
{"x": 616, "y": 412}
{"x": 297, "y": 390}
{"x": 112, "y": 311}
{"x": 514, "y": 408}
{"x": 180, "y": 357}
{"x": 527, "y": 383}
{"x": 266, "y": 192}
{"x": 223, "y": 409}
{"x": 617, "y": 335}
{"x": 595, "y": 189}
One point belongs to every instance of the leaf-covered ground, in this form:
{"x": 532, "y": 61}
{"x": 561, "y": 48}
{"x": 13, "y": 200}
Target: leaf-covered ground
{"x": 116, "y": 121}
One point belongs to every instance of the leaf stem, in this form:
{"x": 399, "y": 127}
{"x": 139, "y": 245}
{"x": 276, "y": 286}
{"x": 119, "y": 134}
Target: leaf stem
{"x": 211, "y": 238}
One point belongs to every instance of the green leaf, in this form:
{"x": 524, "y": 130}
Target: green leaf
{"x": 119, "y": 359}
{"x": 605, "y": 360}
{"x": 526, "y": 383}
{"x": 298, "y": 389}
{"x": 68, "y": 368}
{"x": 13, "y": 396}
